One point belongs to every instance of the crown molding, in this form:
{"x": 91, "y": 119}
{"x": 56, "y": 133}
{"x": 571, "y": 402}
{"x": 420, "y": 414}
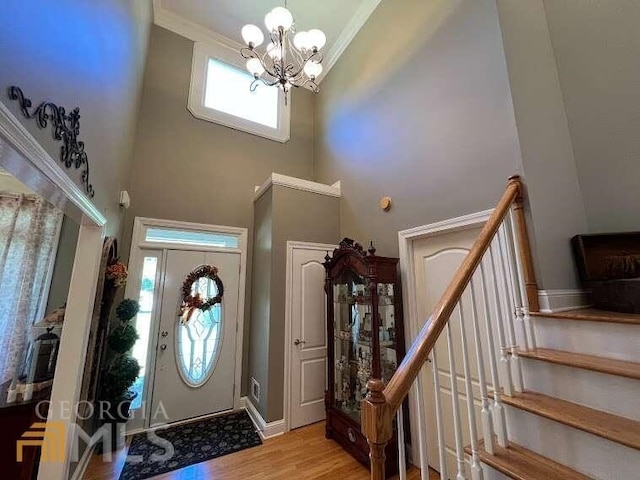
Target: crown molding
{"x": 297, "y": 184}
{"x": 197, "y": 33}
{"x": 191, "y": 30}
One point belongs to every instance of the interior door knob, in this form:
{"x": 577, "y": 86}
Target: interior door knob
{"x": 298, "y": 342}
{"x": 164, "y": 333}
{"x": 163, "y": 347}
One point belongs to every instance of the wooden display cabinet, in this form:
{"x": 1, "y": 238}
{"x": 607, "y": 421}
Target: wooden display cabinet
{"x": 365, "y": 340}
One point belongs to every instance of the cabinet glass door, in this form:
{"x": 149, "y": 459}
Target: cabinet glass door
{"x": 353, "y": 328}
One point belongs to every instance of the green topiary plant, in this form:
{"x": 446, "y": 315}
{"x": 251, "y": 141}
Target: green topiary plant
{"x": 127, "y": 309}
{"x": 122, "y": 338}
{"x": 121, "y": 370}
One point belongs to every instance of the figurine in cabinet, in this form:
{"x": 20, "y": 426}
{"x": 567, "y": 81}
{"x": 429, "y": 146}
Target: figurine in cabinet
{"x": 371, "y": 350}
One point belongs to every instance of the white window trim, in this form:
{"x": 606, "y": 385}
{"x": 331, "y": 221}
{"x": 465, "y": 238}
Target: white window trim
{"x": 201, "y": 54}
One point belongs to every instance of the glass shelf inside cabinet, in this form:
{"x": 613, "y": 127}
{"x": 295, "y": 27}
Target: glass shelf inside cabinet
{"x": 353, "y": 330}
{"x": 387, "y": 331}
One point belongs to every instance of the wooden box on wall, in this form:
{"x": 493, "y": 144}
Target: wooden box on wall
{"x": 609, "y": 266}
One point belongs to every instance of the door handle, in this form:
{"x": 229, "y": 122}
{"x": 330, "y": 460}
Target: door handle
{"x": 163, "y": 347}
{"x": 299, "y": 342}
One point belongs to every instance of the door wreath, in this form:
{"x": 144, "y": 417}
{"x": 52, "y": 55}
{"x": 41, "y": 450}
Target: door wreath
{"x": 191, "y": 302}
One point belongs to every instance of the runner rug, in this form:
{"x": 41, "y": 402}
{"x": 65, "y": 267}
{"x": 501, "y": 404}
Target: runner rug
{"x": 171, "y": 448}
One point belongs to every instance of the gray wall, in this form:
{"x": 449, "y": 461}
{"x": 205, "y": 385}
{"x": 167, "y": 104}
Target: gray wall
{"x": 193, "y": 170}
{"x": 85, "y": 54}
{"x": 259, "y": 319}
{"x": 418, "y": 108}
{"x": 597, "y": 50}
{"x": 556, "y": 210}
{"x": 299, "y": 216}
{"x": 281, "y": 214}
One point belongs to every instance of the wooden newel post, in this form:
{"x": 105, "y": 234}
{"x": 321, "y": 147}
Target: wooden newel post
{"x": 377, "y": 426}
{"x": 531, "y": 285}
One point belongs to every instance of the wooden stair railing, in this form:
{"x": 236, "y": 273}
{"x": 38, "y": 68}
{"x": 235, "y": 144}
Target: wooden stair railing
{"x": 382, "y": 402}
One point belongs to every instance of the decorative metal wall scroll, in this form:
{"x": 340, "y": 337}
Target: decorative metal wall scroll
{"x": 66, "y": 128}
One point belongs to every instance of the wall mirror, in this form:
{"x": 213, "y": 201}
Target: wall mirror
{"x": 37, "y": 251}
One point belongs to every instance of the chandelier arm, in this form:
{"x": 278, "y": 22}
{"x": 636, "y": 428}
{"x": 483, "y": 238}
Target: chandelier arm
{"x": 309, "y": 83}
{"x": 248, "y": 53}
{"x": 295, "y": 53}
{"x": 315, "y": 56}
{"x": 252, "y": 53}
{"x": 259, "y": 80}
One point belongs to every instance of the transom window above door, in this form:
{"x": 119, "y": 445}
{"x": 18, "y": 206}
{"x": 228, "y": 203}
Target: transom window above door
{"x": 220, "y": 93}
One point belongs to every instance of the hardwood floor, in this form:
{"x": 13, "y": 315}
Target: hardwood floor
{"x": 300, "y": 454}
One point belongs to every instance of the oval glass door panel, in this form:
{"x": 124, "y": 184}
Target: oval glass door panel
{"x": 198, "y": 342}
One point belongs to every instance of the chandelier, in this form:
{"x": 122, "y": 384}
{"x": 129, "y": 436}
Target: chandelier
{"x": 291, "y": 59}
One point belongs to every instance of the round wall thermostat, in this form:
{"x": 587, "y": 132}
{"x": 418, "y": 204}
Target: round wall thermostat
{"x": 385, "y": 203}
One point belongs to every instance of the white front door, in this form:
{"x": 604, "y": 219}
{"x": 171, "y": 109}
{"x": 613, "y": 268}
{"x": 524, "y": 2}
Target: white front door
{"x": 436, "y": 259}
{"x": 308, "y": 345}
{"x": 195, "y": 363}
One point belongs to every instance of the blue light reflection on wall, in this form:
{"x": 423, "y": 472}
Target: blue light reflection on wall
{"x": 72, "y": 40}
{"x": 359, "y": 133}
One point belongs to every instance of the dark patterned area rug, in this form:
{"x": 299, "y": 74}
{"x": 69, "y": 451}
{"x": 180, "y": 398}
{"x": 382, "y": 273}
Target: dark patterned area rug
{"x": 167, "y": 449}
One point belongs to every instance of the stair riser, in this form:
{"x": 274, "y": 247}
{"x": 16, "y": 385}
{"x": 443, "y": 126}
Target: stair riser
{"x": 585, "y": 387}
{"x": 591, "y": 455}
{"x": 617, "y": 341}
{"x": 492, "y": 474}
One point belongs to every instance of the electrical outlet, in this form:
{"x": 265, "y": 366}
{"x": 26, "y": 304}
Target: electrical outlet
{"x": 255, "y": 389}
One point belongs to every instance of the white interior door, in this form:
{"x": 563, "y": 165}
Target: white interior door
{"x": 195, "y": 363}
{"x": 436, "y": 260}
{"x": 308, "y": 345}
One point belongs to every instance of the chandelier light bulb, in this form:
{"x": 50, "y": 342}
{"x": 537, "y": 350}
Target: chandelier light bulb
{"x": 251, "y": 34}
{"x": 313, "y": 69}
{"x": 278, "y": 17}
{"x": 316, "y": 38}
{"x": 301, "y": 40}
{"x": 255, "y": 67}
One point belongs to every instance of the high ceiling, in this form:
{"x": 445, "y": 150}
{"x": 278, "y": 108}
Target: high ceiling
{"x": 340, "y": 20}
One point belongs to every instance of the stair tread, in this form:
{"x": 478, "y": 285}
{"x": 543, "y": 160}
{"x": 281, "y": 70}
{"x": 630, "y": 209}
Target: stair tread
{"x": 521, "y": 464}
{"x": 593, "y": 315}
{"x": 611, "y": 366}
{"x": 606, "y": 425}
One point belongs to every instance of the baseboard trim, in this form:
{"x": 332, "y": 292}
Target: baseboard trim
{"x": 83, "y": 463}
{"x": 266, "y": 430}
{"x": 554, "y": 301}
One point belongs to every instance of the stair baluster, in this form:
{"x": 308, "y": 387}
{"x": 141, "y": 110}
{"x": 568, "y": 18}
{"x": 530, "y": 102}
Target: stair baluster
{"x": 455, "y": 405}
{"x": 528, "y": 327}
{"x": 476, "y": 468}
{"x": 510, "y": 317}
{"x": 487, "y": 422}
{"x": 505, "y": 354}
{"x": 500, "y": 422}
{"x": 442, "y": 451}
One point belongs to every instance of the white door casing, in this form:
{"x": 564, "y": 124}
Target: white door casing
{"x": 306, "y": 338}
{"x": 141, "y": 247}
{"x": 215, "y": 391}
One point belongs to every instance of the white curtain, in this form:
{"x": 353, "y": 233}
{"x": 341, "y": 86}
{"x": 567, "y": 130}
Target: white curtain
{"x": 29, "y": 229}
